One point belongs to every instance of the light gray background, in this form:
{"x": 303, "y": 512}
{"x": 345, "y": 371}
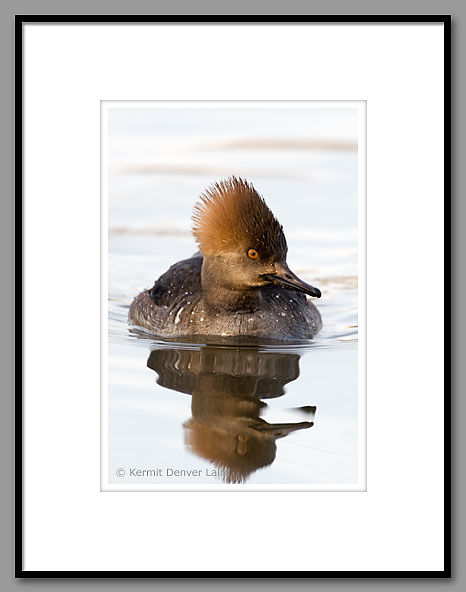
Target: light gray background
{"x": 221, "y": 7}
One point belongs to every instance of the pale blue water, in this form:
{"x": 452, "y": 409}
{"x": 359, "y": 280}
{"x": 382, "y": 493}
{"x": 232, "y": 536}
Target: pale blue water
{"x": 235, "y": 410}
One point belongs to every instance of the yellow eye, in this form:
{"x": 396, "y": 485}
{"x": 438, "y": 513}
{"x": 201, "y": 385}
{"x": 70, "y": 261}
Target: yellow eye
{"x": 253, "y": 254}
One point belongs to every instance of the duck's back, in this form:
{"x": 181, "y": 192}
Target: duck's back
{"x": 157, "y": 309}
{"x": 182, "y": 279}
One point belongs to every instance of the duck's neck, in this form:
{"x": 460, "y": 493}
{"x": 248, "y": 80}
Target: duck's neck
{"x": 219, "y": 296}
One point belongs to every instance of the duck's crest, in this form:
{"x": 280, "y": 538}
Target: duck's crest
{"x": 231, "y": 215}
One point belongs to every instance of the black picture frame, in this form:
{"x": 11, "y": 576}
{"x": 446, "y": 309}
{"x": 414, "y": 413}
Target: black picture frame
{"x": 20, "y": 20}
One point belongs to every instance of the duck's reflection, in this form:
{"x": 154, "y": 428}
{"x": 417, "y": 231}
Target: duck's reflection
{"x": 228, "y": 387}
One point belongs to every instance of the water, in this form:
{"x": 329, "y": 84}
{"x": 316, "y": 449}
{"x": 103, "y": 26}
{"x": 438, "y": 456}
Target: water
{"x": 204, "y": 414}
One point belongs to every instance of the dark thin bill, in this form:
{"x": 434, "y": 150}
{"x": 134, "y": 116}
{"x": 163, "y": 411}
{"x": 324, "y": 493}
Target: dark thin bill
{"x": 292, "y": 281}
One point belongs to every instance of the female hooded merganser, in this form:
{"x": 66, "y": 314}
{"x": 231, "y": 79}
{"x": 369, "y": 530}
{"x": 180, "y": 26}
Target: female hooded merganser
{"x": 239, "y": 284}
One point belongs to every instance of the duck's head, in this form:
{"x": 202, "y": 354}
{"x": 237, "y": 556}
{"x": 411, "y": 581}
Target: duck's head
{"x": 242, "y": 242}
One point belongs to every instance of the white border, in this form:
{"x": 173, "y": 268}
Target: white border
{"x": 398, "y": 523}
{"x": 360, "y": 106}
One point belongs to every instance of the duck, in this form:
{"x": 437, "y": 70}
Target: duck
{"x": 238, "y": 284}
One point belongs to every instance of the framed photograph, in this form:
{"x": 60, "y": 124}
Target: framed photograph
{"x": 229, "y": 318}
{"x": 235, "y": 429}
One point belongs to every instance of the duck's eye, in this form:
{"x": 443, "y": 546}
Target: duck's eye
{"x": 253, "y": 254}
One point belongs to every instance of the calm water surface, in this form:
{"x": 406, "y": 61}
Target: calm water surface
{"x": 209, "y": 413}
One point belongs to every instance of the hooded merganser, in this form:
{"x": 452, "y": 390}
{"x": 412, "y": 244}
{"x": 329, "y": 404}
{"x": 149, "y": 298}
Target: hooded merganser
{"x": 239, "y": 283}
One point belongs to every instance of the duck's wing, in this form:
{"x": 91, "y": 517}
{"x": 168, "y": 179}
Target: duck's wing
{"x": 182, "y": 279}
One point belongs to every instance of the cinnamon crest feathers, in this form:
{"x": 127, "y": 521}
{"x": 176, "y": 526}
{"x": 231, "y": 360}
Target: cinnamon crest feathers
{"x": 231, "y": 213}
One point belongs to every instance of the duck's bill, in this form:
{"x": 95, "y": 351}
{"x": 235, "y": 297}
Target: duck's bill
{"x": 285, "y": 277}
